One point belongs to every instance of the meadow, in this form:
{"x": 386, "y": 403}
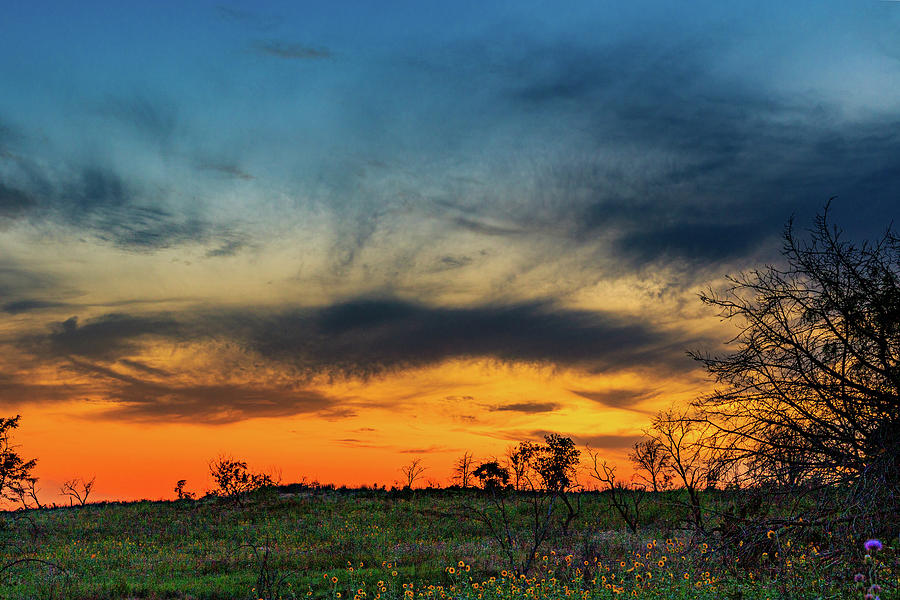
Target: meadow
{"x": 285, "y": 542}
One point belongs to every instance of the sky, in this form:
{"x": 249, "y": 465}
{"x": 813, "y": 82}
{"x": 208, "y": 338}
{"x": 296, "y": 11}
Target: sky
{"x": 330, "y": 238}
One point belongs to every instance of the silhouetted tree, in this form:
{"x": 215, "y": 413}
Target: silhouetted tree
{"x": 180, "y": 491}
{"x": 626, "y": 500}
{"x": 519, "y": 459}
{"x": 234, "y": 480}
{"x": 680, "y": 437}
{"x": 412, "y": 472}
{"x": 28, "y": 494}
{"x": 556, "y": 463}
{"x": 492, "y": 476}
{"x": 15, "y": 472}
{"x": 77, "y": 489}
{"x": 462, "y": 470}
{"x": 812, "y": 389}
{"x": 651, "y": 464}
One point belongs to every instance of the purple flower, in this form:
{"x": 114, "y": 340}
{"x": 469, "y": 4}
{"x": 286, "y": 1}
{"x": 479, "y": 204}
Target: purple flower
{"x": 859, "y": 578}
{"x": 872, "y": 545}
{"x": 874, "y": 588}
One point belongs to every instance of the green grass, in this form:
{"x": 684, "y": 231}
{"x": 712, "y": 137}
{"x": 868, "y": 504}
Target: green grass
{"x": 212, "y": 549}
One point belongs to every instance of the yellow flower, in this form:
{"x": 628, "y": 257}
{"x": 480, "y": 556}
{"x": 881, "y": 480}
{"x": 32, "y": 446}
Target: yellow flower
{"x": 770, "y": 534}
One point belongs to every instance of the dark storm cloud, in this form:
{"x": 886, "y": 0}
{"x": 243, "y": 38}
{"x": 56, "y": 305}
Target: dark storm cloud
{"x": 20, "y": 285}
{"x": 212, "y": 404}
{"x": 366, "y": 337}
{"x": 108, "y": 337}
{"x": 30, "y": 305}
{"x": 133, "y": 398}
{"x": 291, "y": 50}
{"x": 694, "y": 166}
{"x": 528, "y": 407}
{"x": 695, "y": 243}
{"x": 143, "y": 368}
{"x": 14, "y": 202}
{"x": 15, "y": 392}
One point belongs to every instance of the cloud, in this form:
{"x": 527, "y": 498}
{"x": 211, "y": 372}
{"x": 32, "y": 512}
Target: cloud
{"x": 14, "y": 202}
{"x": 30, "y": 305}
{"x": 136, "y": 398}
{"x": 613, "y": 441}
{"x": 609, "y": 442}
{"x": 109, "y": 337}
{"x": 449, "y": 262}
{"x": 290, "y": 50}
{"x": 22, "y": 284}
{"x": 528, "y": 407}
{"x": 355, "y": 339}
{"x": 670, "y": 158}
{"x": 151, "y": 118}
{"x": 212, "y": 404}
{"x": 615, "y": 398}
{"x": 366, "y": 337}
{"x": 102, "y": 204}
{"x": 228, "y": 248}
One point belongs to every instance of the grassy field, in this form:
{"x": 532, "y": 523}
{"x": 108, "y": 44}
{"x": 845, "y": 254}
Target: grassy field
{"x": 376, "y": 545}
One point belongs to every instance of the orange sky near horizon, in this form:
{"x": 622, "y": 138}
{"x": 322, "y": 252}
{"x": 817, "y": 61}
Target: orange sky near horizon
{"x": 395, "y": 419}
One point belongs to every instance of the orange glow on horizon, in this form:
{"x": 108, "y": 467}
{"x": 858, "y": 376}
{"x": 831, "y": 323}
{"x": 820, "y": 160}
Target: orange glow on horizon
{"x": 434, "y": 413}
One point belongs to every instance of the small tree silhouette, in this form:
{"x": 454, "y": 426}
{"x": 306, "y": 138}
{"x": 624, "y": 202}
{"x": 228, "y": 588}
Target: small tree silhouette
{"x": 412, "y": 472}
{"x": 77, "y": 489}
{"x": 180, "y": 491}
{"x": 233, "y": 479}
{"x": 462, "y": 470}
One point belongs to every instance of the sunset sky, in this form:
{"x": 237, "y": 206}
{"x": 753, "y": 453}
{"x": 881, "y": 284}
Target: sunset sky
{"x": 332, "y": 237}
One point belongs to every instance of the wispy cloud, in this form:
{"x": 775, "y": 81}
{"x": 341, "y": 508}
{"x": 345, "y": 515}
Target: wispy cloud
{"x": 291, "y": 50}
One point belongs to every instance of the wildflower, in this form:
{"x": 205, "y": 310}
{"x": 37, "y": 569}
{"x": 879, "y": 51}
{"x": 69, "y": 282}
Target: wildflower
{"x": 859, "y": 578}
{"x": 770, "y": 534}
{"x": 872, "y": 545}
{"x": 334, "y": 580}
{"x": 874, "y": 588}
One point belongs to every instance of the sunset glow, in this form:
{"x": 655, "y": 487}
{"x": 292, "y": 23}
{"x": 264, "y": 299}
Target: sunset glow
{"x": 327, "y": 240}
